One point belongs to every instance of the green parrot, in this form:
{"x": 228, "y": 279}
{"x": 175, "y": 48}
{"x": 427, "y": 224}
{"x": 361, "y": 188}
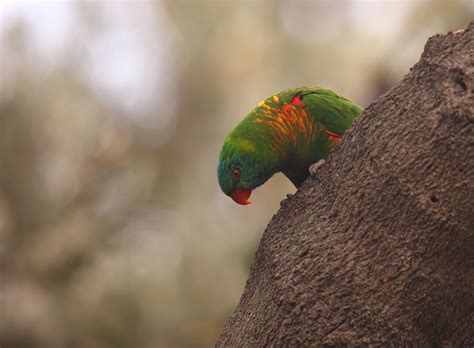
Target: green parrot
{"x": 287, "y": 132}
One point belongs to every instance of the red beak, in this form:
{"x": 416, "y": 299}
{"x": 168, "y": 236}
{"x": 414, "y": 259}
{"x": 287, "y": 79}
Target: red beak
{"x": 241, "y": 196}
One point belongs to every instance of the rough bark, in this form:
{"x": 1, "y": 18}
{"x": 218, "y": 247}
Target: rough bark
{"x": 378, "y": 248}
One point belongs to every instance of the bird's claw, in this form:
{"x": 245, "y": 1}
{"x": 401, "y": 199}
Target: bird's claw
{"x": 314, "y": 168}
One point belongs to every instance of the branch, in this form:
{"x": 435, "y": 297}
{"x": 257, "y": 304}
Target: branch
{"x": 379, "y": 247}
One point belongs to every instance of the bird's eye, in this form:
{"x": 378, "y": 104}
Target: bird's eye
{"x": 236, "y": 174}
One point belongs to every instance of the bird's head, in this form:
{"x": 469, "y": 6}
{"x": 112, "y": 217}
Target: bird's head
{"x": 241, "y": 169}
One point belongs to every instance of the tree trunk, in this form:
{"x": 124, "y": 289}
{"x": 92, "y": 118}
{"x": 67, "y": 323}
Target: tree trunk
{"x": 378, "y": 248}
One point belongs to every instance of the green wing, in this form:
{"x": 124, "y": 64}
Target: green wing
{"x": 336, "y": 113}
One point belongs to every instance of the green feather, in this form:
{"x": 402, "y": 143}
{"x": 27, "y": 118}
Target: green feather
{"x": 287, "y": 132}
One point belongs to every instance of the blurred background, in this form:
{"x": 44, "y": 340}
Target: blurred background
{"x": 113, "y": 230}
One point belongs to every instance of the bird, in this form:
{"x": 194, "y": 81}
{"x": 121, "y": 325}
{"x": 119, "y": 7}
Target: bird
{"x": 289, "y": 132}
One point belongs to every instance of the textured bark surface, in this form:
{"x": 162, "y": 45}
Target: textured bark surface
{"x": 379, "y": 247}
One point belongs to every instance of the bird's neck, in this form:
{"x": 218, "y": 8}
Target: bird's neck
{"x": 291, "y": 136}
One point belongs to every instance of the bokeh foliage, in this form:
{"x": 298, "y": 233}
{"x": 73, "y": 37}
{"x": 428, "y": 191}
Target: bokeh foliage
{"x": 113, "y": 231}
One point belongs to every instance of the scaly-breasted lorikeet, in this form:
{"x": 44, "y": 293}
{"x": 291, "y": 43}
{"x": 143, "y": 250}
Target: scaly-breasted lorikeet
{"x": 287, "y": 132}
